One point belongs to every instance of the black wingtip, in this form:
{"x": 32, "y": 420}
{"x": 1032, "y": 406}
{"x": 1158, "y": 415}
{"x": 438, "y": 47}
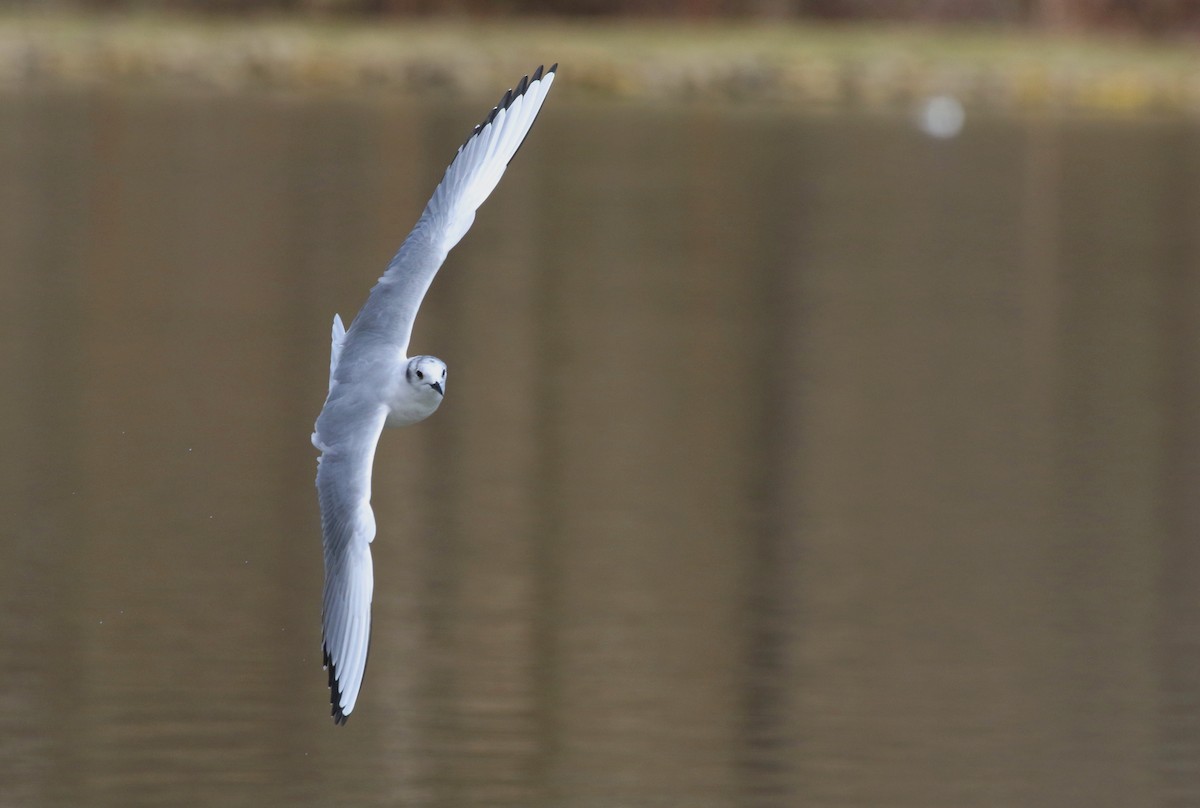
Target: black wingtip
{"x": 510, "y": 96}
{"x": 335, "y": 690}
{"x": 335, "y": 693}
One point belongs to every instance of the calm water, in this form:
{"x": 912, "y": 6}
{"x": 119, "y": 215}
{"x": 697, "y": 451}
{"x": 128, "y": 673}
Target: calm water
{"x": 786, "y": 461}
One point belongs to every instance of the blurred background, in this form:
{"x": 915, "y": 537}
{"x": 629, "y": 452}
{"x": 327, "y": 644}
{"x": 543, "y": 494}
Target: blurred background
{"x": 1149, "y": 16}
{"x": 823, "y": 424}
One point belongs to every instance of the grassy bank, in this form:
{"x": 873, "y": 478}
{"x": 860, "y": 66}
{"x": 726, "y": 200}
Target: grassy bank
{"x": 786, "y": 64}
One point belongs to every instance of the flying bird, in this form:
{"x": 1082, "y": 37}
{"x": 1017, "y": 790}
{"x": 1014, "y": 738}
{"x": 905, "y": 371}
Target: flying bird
{"x": 374, "y": 383}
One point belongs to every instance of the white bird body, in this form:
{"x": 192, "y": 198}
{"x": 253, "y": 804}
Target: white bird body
{"x": 373, "y": 382}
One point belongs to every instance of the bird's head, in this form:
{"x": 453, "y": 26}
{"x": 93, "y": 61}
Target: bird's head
{"x": 427, "y": 375}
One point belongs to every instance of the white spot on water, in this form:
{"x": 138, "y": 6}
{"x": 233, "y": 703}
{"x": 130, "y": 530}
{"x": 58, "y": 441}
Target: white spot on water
{"x": 941, "y": 116}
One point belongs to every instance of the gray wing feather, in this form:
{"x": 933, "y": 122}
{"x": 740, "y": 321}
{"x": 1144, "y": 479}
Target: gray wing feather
{"x": 392, "y": 306}
{"x": 347, "y": 432}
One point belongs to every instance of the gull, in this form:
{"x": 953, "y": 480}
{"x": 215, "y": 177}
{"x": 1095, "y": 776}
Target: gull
{"x": 373, "y": 382}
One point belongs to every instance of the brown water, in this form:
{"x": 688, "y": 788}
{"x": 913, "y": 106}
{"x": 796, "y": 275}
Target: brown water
{"x": 786, "y": 461}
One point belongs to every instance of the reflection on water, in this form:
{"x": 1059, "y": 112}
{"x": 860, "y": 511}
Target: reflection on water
{"x": 785, "y": 461}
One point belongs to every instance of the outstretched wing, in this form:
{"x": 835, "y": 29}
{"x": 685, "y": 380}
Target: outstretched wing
{"x": 347, "y": 432}
{"x": 391, "y": 308}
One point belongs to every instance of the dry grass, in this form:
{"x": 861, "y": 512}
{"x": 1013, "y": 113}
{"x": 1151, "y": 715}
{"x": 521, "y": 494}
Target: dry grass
{"x": 784, "y": 64}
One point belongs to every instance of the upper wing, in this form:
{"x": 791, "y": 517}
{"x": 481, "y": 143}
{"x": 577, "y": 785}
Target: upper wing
{"x": 347, "y": 431}
{"x": 392, "y": 305}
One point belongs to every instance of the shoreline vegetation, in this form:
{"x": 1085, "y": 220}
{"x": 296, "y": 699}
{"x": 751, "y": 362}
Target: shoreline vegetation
{"x": 801, "y": 65}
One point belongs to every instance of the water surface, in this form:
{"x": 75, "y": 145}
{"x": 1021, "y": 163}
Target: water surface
{"x": 785, "y": 461}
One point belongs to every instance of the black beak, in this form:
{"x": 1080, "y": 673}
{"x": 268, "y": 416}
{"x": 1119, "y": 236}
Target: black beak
{"x": 437, "y": 386}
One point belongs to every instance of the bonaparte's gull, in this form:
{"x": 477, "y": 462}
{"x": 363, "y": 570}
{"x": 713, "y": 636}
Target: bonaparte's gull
{"x": 373, "y": 383}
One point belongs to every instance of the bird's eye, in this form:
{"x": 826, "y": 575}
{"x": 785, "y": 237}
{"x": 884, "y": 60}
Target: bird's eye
{"x": 420, "y": 374}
